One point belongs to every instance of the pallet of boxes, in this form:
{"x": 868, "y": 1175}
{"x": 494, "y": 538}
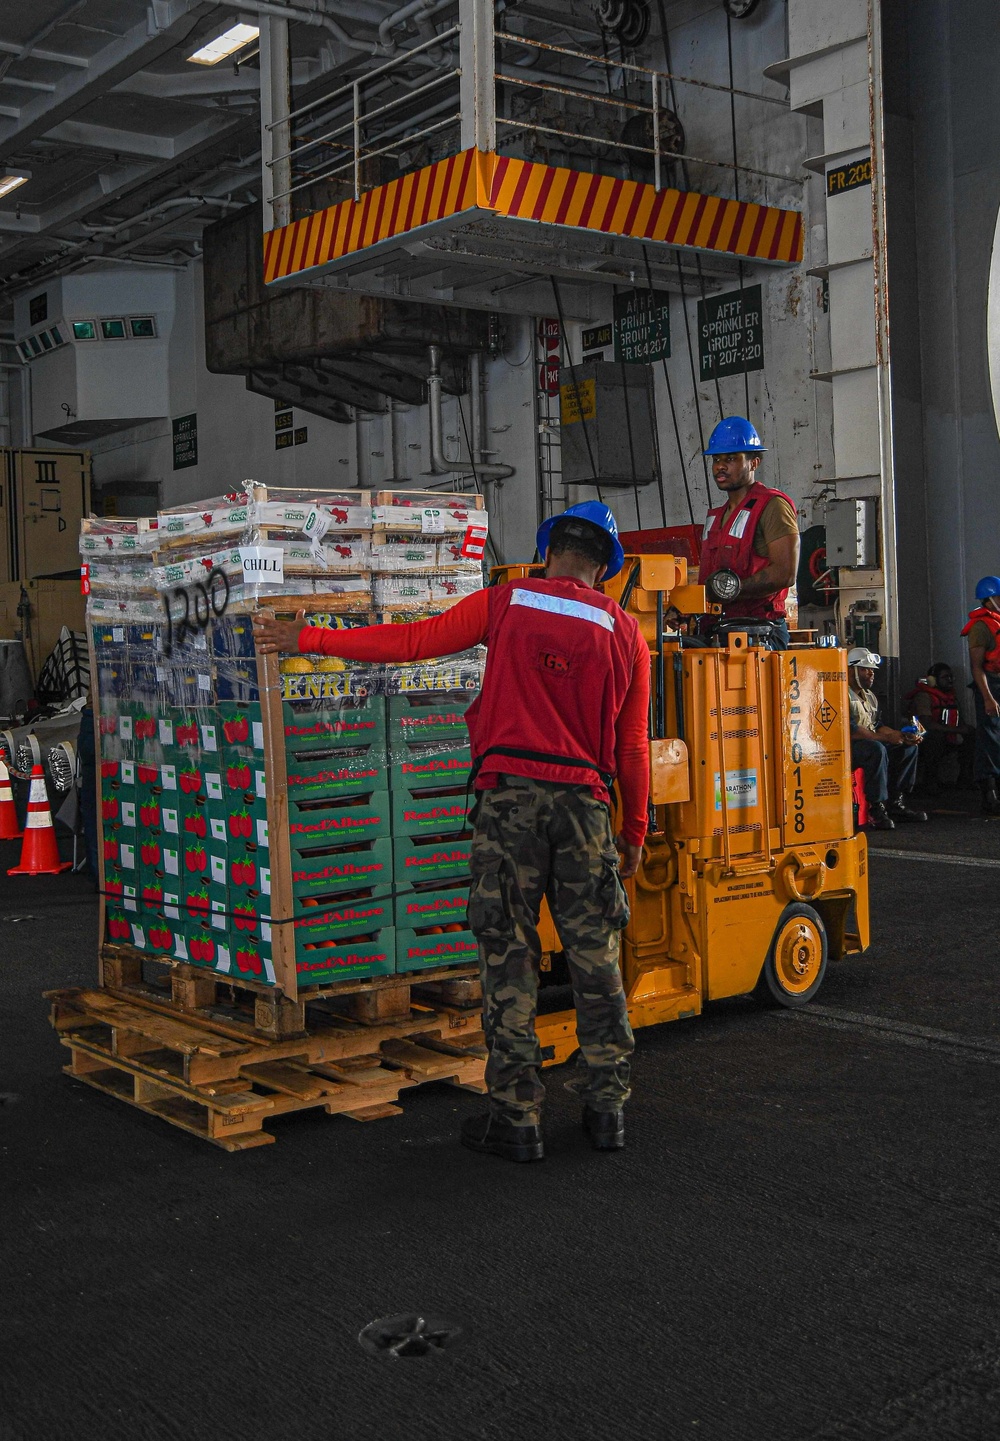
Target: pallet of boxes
{"x": 284, "y": 840}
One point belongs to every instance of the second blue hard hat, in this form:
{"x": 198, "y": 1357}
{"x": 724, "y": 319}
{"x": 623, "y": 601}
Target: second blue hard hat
{"x": 595, "y": 512}
{"x": 732, "y": 435}
{"x": 988, "y": 587}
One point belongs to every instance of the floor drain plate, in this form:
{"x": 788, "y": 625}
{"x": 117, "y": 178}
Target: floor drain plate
{"x": 409, "y": 1335}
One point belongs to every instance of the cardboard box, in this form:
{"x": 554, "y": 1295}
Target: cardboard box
{"x": 322, "y": 873}
{"x": 419, "y": 860}
{"x": 346, "y": 962}
{"x": 415, "y": 952}
{"x": 351, "y": 821}
{"x": 417, "y": 813}
{"x": 344, "y": 722}
{"x": 418, "y": 909}
{"x": 433, "y": 766}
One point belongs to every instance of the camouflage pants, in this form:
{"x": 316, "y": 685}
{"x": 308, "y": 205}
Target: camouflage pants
{"x": 535, "y": 839}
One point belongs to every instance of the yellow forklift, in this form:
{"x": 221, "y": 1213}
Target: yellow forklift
{"x": 752, "y": 876}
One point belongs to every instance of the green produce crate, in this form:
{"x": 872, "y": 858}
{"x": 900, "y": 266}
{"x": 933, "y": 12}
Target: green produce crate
{"x": 354, "y": 916}
{"x": 320, "y": 725}
{"x": 420, "y": 717}
{"x": 446, "y": 906}
{"x": 420, "y": 860}
{"x": 326, "y": 870}
{"x": 431, "y": 812}
{"x": 424, "y": 766}
{"x": 349, "y": 821}
{"x": 346, "y": 962}
{"x": 416, "y": 952}
{"x": 314, "y": 774}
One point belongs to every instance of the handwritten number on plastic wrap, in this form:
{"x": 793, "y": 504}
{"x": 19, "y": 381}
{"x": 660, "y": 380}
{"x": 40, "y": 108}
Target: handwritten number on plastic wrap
{"x": 190, "y": 608}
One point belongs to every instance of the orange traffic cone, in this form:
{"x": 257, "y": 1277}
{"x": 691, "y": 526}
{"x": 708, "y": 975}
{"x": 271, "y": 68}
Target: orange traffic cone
{"x": 39, "y": 853}
{"x": 9, "y": 829}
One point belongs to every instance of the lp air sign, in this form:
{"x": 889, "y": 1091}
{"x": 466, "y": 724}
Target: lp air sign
{"x": 730, "y": 334}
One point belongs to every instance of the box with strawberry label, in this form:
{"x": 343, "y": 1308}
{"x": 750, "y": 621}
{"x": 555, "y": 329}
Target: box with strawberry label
{"x": 348, "y": 822}
{"x": 436, "y": 812}
{"x": 323, "y": 962}
{"x": 327, "y": 870}
{"x": 428, "y": 947}
{"x": 422, "y": 860}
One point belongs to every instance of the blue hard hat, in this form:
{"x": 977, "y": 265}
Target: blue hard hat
{"x": 988, "y": 587}
{"x": 732, "y": 435}
{"x": 595, "y": 513}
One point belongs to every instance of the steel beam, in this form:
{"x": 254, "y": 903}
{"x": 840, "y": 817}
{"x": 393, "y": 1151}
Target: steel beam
{"x": 166, "y": 24}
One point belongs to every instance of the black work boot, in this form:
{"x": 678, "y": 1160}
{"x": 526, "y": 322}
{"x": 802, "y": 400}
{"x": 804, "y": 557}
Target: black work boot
{"x": 878, "y": 817}
{"x": 991, "y": 802}
{"x": 500, "y": 1137}
{"x": 606, "y": 1129}
{"x": 900, "y": 811}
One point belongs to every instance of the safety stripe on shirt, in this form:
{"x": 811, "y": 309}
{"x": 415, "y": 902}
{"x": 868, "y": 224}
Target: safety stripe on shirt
{"x": 559, "y": 605}
{"x": 739, "y": 524}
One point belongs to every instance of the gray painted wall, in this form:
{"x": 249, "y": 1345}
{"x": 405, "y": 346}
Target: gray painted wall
{"x": 943, "y": 174}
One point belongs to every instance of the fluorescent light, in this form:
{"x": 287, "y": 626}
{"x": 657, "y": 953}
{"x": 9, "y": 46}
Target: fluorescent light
{"x": 225, "y": 44}
{"x": 11, "y": 182}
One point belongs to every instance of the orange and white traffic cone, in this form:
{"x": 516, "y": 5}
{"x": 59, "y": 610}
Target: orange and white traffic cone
{"x": 9, "y": 828}
{"x": 39, "y": 853}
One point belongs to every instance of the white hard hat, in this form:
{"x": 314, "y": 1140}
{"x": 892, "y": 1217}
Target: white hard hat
{"x": 867, "y": 658}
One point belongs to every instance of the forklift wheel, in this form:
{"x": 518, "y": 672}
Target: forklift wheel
{"x": 796, "y": 963}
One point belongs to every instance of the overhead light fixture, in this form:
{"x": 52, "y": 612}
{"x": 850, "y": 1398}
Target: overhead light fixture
{"x": 12, "y": 181}
{"x": 225, "y": 44}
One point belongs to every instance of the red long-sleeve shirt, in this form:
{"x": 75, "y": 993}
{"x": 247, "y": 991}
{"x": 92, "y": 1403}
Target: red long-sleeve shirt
{"x": 466, "y": 625}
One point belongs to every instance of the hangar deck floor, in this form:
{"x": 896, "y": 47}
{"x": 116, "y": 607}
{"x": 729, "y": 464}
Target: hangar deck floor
{"x": 800, "y": 1242}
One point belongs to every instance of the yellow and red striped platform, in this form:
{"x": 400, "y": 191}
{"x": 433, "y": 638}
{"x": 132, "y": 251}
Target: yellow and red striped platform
{"x": 475, "y": 183}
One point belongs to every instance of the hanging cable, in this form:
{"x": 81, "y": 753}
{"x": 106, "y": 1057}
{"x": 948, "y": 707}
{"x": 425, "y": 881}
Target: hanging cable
{"x": 651, "y": 405}
{"x": 564, "y": 340}
{"x": 673, "y": 417}
{"x": 736, "y": 177}
{"x": 694, "y": 379}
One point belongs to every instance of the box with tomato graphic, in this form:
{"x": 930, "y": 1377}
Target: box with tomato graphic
{"x": 421, "y": 950}
{"x": 242, "y": 731}
{"x": 204, "y": 864}
{"x": 443, "y": 907}
{"x": 206, "y": 947}
{"x": 321, "y": 962}
{"x": 246, "y": 825}
{"x": 351, "y": 821}
{"x": 347, "y": 722}
{"x": 318, "y": 774}
{"x": 420, "y": 860}
{"x": 325, "y": 870}
{"x": 121, "y": 888}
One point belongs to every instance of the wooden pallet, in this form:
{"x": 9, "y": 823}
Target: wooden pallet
{"x": 452, "y": 990}
{"x": 221, "y": 1079}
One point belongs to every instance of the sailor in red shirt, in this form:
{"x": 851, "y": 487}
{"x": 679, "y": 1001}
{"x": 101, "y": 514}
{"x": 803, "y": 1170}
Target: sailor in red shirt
{"x": 562, "y": 715}
{"x": 754, "y": 535}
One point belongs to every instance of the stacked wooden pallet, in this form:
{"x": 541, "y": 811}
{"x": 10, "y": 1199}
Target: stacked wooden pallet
{"x": 220, "y": 1067}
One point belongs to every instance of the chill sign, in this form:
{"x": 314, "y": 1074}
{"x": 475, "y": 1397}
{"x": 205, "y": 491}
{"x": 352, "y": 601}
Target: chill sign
{"x": 263, "y": 565}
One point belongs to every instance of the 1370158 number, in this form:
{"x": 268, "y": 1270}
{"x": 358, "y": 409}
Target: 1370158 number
{"x": 798, "y": 794}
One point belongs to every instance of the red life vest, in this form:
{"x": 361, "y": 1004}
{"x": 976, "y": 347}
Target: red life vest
{"x": 730, "y": 547}
{"x": 941, "y": 700}
{"x": 991, "y": 660}
{"x": 559, "y": 667}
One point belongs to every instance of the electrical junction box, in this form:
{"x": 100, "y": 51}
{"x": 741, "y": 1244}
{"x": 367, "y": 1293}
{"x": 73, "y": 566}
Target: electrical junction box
{"x": 606, "y": 415}
{"x": 852, "y": 532}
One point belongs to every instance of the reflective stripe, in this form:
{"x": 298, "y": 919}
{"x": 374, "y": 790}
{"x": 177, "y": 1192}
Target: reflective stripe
{"x": 38, "y": 795}
{"x": 38, "y": 820}
{"x": 708, "y": 524}
{"x": 739, "y": 524}
{"x": 558, "y": 605}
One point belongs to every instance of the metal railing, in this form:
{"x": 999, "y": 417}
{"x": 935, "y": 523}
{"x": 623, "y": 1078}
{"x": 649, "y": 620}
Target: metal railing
{"x": 654, "y": 109}
{"x": 354, "y": 149}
